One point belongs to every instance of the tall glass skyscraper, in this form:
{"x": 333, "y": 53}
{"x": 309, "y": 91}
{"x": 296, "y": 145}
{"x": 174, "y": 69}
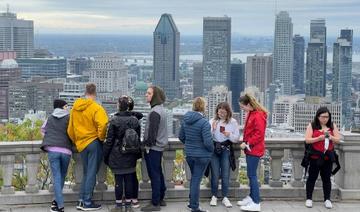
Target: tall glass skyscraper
{"x": 316, "y": 60}
{"x": 216, "y": 51}
{"x": 166, "y": 56}
{"x": 237, "y": 83}
{"x": 342, "y": 68}
{"x": 283, "y": 51}
{"x": 17, "y": 35}
{"x": 298, "y": 71}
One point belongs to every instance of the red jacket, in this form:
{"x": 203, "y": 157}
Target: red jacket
{"x": 254, "y": 132}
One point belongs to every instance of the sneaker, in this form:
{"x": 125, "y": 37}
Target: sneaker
{"x": 135, "y": 204}
{"x": 213, "y": 201}
{"x": 151, "y": 207}
{"x": 244, "y": 201}
{"x": 162, "y": 203}
{"x": 226, "y": 202}
{"x": 56, "y": 209}
{"x": 308, "y": 203}
{"x": 53, "y": 205}
{"x": 92, "y": 207}
{"x": 328, "y": 204}
{"x": 79, "y": 205}
{"x": 251, "y": 207}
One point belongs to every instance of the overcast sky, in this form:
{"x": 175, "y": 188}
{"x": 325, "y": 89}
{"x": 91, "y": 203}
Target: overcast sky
{"x": 249, "y": 17}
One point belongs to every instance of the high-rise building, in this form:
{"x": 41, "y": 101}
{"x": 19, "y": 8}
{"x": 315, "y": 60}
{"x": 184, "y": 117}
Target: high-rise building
{"x": 110, "y": 75}
{"x": 342, "y": 68}
{"x": 283, "y": 51}
{"x": 259, "y": 71}
{"x": 17, "y": 35}
{"x": 237, "y": 83}
{"x": 216, "y": 52}
{"x": 216, "y": 95}
{"x": 44, "y": 67}
{"x": 315, "y": 84}
{"x": 299, "y": 62}
{"x": 9, "y": 72}
{"x": 79, "y": 65}
{"x": 198, "y": 80}
{"x": 273, "y": 92}
{"x": 35, "y": 95}
{"x": 166, "y": 56}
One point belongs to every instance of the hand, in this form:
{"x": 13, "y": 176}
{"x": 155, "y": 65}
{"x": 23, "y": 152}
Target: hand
{"x": 214, "y": 125}
{"x": 243, "y": 145}
{"x": 320, "y": 138}
{"x": 227, "y": 134}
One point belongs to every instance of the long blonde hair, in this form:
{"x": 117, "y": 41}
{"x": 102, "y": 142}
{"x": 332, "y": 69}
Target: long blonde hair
{"x": 249, "y": 99}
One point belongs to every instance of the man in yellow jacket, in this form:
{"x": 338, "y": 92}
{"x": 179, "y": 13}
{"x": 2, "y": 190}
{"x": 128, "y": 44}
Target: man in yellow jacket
{"x": 87, "y": 129}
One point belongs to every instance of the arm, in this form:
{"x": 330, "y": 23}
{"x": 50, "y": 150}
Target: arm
{"x": 258, "y": 130}
{"x": 70, "y": 129}
{"x": 43, "y": 128}
{"x": 235, "y": 132}
{"x": 182, "y": 133}
{"x": 154, "y": 121}
{"x": 207, "y": 137}
{"x": 101, "y": 120}
{"x": 308, "y": 136}
{"x": 109, "y": 142}
{"x": 336, "y": 137}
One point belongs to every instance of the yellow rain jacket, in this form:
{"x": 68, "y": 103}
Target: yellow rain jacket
{"x": 88, "y": 121}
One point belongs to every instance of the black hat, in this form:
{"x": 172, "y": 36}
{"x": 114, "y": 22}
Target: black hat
{"x": 59, "y": 103}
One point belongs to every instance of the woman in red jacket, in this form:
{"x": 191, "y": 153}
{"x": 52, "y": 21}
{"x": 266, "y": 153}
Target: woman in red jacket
{"x": 254, "y": 147}
{"x": 322, "y": 133}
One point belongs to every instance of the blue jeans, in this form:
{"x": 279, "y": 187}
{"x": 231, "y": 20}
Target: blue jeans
{"x": 153, "y": 165}
{"x": 197, "y": 166}
{"x": 92, "y": 157}
{"x": 220, "y": 166}
{"x": 59, "y": 163}
{"x": 252, "y": 164}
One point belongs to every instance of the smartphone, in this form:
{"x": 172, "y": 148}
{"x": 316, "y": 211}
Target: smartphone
{"x": 222, "y": 129}
{"x": 326, "y": 134}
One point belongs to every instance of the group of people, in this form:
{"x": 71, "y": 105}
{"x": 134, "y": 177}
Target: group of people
{"x": 208, "y": 147}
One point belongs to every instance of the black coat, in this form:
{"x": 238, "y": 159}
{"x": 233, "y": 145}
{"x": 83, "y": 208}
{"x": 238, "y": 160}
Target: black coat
{"x": 116, "y": 130}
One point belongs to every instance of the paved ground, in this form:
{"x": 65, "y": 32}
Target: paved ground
{"x": 267, "y": 206}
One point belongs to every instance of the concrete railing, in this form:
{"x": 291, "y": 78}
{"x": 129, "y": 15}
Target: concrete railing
{"x": 347, "y": 184}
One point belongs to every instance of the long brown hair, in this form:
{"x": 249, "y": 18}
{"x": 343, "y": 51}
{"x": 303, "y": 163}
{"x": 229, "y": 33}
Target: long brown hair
{"x": 224, "y": 106}
{"x": 248, "y": 99}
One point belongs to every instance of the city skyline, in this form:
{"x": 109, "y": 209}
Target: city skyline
{"x": 139, "y": 17}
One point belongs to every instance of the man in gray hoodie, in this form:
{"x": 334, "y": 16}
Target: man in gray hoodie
{"x": 155, "y": 140}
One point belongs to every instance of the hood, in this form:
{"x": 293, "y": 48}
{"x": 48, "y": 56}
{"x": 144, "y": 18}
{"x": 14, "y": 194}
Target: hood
{"x": 81, "y": 104}
{"x": 59, "y": 113}
{"x": 191, "y": 117}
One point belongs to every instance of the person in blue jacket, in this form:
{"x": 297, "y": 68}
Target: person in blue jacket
{"x": 195, "y": 133}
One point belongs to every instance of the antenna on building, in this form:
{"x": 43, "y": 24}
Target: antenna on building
{"x": 7, "y": 8}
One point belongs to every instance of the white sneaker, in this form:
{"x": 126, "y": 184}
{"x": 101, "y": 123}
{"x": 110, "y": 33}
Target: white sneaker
{"x": 226, "y": 202}
{"x": 328, "y": 204}
{"x": 244, "y": 201}
{"x": 213, "y": 201}
{"x": 251, "y": 207}
{"x": 309, "y": 203}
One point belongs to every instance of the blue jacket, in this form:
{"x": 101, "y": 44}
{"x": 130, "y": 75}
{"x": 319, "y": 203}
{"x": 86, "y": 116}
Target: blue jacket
{"x": 195, "y": 133}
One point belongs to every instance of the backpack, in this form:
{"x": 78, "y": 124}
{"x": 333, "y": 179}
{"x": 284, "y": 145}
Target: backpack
{"x": 130, "y": 142}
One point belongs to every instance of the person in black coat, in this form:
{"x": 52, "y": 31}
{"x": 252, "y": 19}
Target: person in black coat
{"x": 122, "y": 164}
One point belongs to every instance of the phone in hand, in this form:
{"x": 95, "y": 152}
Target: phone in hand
{"x": 222, "y": 129}
{"x": 327, "y": 135}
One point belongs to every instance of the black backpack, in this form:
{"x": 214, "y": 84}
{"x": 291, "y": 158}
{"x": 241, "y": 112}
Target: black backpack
{"x": 130, "y": 142}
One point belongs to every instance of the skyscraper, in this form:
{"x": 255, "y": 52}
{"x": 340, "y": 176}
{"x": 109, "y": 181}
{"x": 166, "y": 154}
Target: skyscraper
{"x": 166, "y": 56}
{"x": 216, "y": 51}
{"x": 45, "y": 67}
{"x": 237, "y": 83}
{"x": 198, "y": 80}
{"x": 342, "y": 68}
{"x": 298, "y": 71}
{"x": 259, "y": 71}
{"x": 16, "y": 34}
{"x": 315, "y": 84}
{"x": 283, "y": 51}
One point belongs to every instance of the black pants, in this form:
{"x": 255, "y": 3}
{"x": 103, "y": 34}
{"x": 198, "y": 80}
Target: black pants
{"x": 129, "y": 182}
{"x": 325, "y": 173}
